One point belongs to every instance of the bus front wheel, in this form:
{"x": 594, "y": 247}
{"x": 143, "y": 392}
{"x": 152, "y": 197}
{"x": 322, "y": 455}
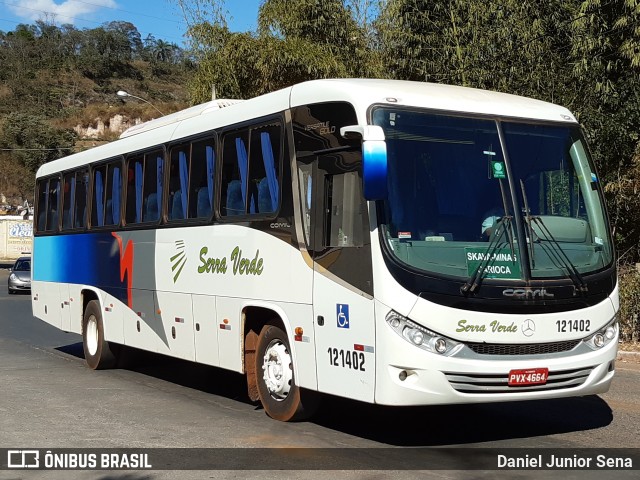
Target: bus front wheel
{"x": 97, "y": 352}
{"x": 281, "y": 398}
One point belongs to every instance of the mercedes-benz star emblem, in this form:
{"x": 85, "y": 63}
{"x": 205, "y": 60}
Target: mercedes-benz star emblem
{"x": 528, "y": 327}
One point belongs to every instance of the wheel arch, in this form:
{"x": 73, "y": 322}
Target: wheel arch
{"x": 88, "y": 294}
{"x": 254, "y": 318}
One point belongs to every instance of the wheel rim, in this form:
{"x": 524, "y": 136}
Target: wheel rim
{"x": 277, "y": 372}
{"x": 92, "y": 335}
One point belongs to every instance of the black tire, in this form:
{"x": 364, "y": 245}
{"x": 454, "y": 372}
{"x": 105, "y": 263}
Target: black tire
{"x": 97, "y": 352}
{"x": 10, "y": 291}
{"x": 281, "y": 398}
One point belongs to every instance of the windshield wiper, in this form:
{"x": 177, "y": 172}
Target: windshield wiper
{"x": 558, "y": 253}
{"x": 473, "y": 282}
{"x": 530, "y": 232}
{"x": 560, "y": 256}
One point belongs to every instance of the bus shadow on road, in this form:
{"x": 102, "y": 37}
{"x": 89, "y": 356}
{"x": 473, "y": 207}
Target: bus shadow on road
{"x": 188, "y": 374}
{"x": 464, "y": 424}
{"x": 398, "y": 426}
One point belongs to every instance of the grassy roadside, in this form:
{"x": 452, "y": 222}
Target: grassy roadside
{"x": 629, "y": 347}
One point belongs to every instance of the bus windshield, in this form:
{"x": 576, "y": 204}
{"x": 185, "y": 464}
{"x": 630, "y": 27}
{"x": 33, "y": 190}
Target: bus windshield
{"x": 456, "y": 199}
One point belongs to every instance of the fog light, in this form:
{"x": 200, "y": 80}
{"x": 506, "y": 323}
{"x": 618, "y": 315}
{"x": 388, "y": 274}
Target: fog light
{"x": 598, "y": 340}
{"x": 441, "y": 345}
{"x": 403, "y": 375}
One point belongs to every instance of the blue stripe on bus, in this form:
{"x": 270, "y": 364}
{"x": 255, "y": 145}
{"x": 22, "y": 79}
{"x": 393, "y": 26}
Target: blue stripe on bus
{"x": 91, "y": 259}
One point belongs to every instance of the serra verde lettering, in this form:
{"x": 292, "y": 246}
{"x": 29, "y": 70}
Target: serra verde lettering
{"x": 495, "y": 327}
{"x": 239, "y": 265}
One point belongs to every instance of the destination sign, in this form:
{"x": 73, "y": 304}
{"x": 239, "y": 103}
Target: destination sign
{"x": 500, "y": 263}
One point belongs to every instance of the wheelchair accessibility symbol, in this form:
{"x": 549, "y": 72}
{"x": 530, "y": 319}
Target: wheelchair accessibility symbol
{"x": 342, "y": 313}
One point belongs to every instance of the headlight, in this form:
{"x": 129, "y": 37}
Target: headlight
{"x": 13, "y": 277}
{"x": 604, "y": 336}
{"x": 422, "y": 337}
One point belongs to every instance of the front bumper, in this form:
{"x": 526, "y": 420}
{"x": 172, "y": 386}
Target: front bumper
{"x": 409, "y": 376}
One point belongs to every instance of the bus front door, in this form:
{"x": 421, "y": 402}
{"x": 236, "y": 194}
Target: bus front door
{"x": 342, "y": 287}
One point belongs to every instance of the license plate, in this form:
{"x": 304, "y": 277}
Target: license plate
{"x": 531, "y": 376}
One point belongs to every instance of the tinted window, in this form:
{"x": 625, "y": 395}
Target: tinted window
{"x": 107, "y": 189}
{"x": 144, "y": 187}
{"x": 251, "y": 170}
{"x": 179, "y": 182}
{"x": 234, "y": 173}
{"x": 53, "y": 204}
{"x": 202, "y": 175}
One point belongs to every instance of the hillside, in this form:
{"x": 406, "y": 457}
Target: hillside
{"x": 59, "y": 84}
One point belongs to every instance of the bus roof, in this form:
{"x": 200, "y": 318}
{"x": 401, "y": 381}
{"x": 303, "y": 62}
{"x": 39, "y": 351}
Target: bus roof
{"x": 362, "y": 93}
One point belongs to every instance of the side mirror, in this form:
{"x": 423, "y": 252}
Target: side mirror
{"x": 374, "y": 158}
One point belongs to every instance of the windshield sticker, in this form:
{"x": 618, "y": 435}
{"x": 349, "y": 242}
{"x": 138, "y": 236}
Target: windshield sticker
{"x": 497, "y": 169}
{"x": 404, "y": 235}
{"x": 499, "y": 264}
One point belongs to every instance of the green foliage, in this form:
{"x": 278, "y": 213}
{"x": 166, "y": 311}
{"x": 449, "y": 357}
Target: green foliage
{"x": 508, "y": 45}
{"x": 297, "y": 40}
{"x": 248, "y": 65}
{"x": 16, "y": 181}
{"x": 33, "y": 141}
{"x": 629, "y": 283}
{"x": 52, "y": 75}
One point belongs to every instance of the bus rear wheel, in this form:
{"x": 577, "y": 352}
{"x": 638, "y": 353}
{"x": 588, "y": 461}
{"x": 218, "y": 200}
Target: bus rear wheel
{"x": 281, "y": 398}
{"x": 97, "y": 351}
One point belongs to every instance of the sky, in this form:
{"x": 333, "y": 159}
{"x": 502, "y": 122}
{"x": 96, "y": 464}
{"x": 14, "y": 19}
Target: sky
{"x": 161, "y": 18}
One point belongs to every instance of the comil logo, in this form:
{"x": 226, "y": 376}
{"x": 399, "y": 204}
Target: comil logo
{"x": 23, "y": 459}
{"x": 527, "y": 293}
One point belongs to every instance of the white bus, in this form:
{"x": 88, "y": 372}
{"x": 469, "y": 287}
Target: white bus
{"x": 392, "y": 242}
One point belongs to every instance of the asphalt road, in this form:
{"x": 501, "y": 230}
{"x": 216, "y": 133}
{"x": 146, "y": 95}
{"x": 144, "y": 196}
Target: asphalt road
{"x": 50, "y": 399}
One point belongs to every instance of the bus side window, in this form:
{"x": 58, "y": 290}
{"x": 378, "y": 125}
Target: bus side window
{"x": 201, "y": 179}
{"x": 43, "y": 193}
{"x": 133, "y": 206}
{"x": 153, "y": 179}
{"x": 113, "y": 194}
{"x": 53, "y": 205}
{"x": 68, "y": 194}
{"x": 178, "y": 183}
{"x": 97, "y": 206}
{"x": 80, "y": 202}
{"x": 264, "y": 169}
{"x": 234, "y": 174}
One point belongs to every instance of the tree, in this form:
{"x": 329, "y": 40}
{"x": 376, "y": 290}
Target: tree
{"x": 248, "y": 65}
{"x": 297, "y": 40}
{"x": 606, "y": 68}
{"x": 33, "y": 141}
{"x": 164, "y": 51}
{"x": 508, "y": 45}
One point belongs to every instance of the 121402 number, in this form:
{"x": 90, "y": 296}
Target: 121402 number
{"x": 567, "y": 326}
{"x": 346, "y": 359}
